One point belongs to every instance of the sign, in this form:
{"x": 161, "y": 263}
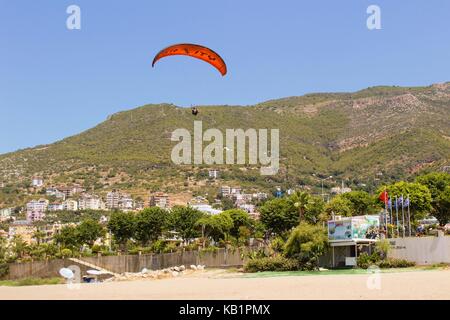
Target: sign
{"x": 360, "y": 227}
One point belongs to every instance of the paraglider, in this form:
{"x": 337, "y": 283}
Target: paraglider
{"x": 194, "y": 51}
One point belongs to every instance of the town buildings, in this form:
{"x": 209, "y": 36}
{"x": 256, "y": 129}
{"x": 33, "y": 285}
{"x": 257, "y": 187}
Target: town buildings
{"x": 112, "y": 200}
{"x": 70, "y": 205}
{"x": 91, "y": 202}
{"x": 213, "y": 174}
{"x": 6, "y": 214}
{"x": 159, "y": 199}
{"x": 37, "y": 182}
{"x": 36, "y": 209}
{"x": 23, "y": 229}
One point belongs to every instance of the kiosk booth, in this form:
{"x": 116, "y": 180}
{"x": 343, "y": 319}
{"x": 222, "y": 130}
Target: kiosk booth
{"x": 350, "y": 236}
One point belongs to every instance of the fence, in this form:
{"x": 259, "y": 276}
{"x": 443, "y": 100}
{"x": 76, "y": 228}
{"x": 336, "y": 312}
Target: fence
{"x": 423, "y": 250}
{"x": 221, "y": 258}
{"x": 40, "y": 269}
{"x": 135, "y": 263}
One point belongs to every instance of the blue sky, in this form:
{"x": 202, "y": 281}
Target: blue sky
{"x": 56, "y": 82}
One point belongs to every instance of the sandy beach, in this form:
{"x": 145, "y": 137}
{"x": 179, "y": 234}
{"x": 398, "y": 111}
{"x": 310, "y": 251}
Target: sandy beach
{"x": 215, "y": 285}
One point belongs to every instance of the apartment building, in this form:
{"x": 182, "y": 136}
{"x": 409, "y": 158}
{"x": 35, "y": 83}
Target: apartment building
{"x": 70, "y": 205}
{"x": 112, "y": 200}
{"x": 36, "y": 209}
{"x": 37, "y": 182}
{"x": 6, "y": 213}
{"x": 91, "y": 202}
{"x": 214, "y": 174}
{"x": 126, "y": 202}
{"x": 160, "y": 199}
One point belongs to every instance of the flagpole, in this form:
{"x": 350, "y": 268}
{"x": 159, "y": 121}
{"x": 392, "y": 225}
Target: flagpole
{"x": 409, "y": 218}
{"x": 391, "y": 217}
{"x": 396, "y": 214}
{"x": 403, "y": 219}
{"x": 385, "y": 212}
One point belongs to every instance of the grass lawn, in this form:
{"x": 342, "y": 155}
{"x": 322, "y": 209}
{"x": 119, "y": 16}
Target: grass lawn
{"x": 31, "y": 282}
{"x": 337, "y": 272}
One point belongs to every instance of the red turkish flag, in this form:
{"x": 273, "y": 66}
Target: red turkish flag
{"x": 384, "y": 197}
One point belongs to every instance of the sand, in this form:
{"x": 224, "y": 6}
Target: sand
{"x": 213, "y": 285}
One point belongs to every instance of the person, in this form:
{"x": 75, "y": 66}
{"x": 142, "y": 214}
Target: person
{"x": 194, "y": 111}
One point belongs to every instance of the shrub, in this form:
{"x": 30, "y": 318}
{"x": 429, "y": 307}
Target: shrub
{"x": 278, "y": 244}
{"x": 170, "y": 247}
{"x": 365, "y": 260}
{"x": 306, "y": 243}
{"x": 66, "y": 253}
{"x": 395, "y": 263}
{"x": 4, "y": 269}
{"x": 277, "y": 263}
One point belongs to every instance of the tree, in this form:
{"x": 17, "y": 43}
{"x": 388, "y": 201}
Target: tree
{"x": 439, "y": 185}
{"x": 19, "y": 247}
{"x": 442, "y": 207}
{"x": 38, "y": 235}
{"x": 216, "y": 226}
{"x": 306, "y": 243}
{"x": 184, "y": 221}
{"x": 227, "y": 203}
{"x": 419, "y": 195}
{"x": 88, "y": 231}
{"x": 279, "y": 215}
{"x": 122, "y": 226}
{"x": 150, "y": 224}
{"x": 339, "y": 206}
{"x": 361, "y": 203}
{"x": 3, "y": 248}
{"x": 300, "y": 200}
{"x": 315, "y": 208}
{"x": 67, "y": 237}
{"x": 240, "y": 219}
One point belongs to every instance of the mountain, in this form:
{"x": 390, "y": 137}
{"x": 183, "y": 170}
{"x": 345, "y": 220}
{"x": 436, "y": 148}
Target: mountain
{"x": 380, "y": 133}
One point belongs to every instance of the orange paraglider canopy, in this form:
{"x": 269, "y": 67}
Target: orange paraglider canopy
{"x": 195, "y": 51}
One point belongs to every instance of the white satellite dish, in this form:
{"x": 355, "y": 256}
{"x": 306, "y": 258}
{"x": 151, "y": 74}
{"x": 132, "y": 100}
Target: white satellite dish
{"x": 66, "y": 273}
{"x": 94, "y": 272}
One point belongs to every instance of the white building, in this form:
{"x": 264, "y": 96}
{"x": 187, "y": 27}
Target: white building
{"x": 55, "y": 207}
{"x": 236, "y": 191}
{"x": 37, "y": 182}
{"x": 227, "y": 191}
{"x": 91, "y": 202}
{"x": 6, "y": 213}
{"x": 260, "y": 195}
{"x": 126, "y": 202}
{"x": 36, "y": 209}
{"x": 112, "y": 200}
{"x": 55, "y": 193}
{"x": 160, "y": 199}
{"x": 214, "y": 174}
{"x": 340, "y": 190}
{"x": 206, "y": 208}
{"x": 70, "y": 205}
{"x": 249, "y": 208}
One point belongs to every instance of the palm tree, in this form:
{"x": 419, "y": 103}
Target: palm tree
{"x": 38, "y": 235}
{"x": 301, "y": 200}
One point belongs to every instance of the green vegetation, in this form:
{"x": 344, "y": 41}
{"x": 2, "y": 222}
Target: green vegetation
{"x": 439, "y": 185}
{"x": 306, "y": 244}
{"x": 398, "y": 132}
{"x": 277, "y": 263}
{"x": 31, "y": 282}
